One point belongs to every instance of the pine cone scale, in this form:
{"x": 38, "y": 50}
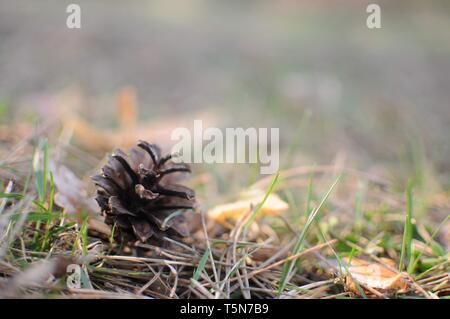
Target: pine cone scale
{"x": 117, "y": 208}
{"x": 141, "y": 228}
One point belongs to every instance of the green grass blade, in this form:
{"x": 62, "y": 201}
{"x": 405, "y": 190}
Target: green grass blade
{"x": 84, "y": 235}
{"x": 430, "y": 242}
{"x": 49, "y": 211}
{"x": 299, "y": 244}
{"x": 258, "y": 207}
{"x": 201, "y": 265}
{"x": 37, "y": 216}
{"x": 11, "y": 195}
{"x": 40, "y": 167}
{"x": 309, "y": 195}
{"x": 408, "y": 231}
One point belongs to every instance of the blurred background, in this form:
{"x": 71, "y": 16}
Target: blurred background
{"x": 378, "y": 99}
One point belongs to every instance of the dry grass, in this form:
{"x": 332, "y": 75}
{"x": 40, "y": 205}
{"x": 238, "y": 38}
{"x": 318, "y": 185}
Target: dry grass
{"x": 292, "y": 256}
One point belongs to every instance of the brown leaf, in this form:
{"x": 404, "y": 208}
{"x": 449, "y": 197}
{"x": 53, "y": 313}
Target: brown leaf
{"x": 126, "y": 103}
{"x": 73, "y": 199}
{"x": 374, "y": 276}
{"x": 99, "y": 228}
{"x": 70, "y": 195}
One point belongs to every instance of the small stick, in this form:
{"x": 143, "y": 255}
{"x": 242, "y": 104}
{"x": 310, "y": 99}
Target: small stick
{"x": 293, "y": 257}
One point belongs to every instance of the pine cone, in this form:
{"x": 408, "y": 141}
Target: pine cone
{"x": 137, "y": 192}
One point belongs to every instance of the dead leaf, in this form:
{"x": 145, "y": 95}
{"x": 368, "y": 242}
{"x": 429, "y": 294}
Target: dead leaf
{"x": 98, "y": 228}
{"x": 374, "y": 276}
{"x": 71, "y": 196}
{"x": 273, "y": 206}
{"x": 35, "y": 274}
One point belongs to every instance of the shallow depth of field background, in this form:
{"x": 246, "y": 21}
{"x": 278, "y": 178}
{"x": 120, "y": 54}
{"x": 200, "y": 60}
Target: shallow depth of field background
{"x": 378, "y": 98}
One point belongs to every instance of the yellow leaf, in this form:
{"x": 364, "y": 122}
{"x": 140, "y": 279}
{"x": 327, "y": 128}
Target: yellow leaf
{"x": 273, "y": 206}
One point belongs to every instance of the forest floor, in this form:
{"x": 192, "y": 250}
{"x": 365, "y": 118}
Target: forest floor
{"x": 339, "y": 232}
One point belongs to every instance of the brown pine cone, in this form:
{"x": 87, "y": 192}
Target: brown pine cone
{"x": 137, "y": 193}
